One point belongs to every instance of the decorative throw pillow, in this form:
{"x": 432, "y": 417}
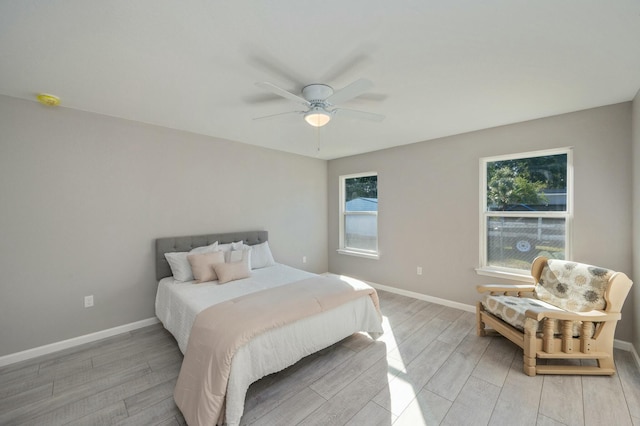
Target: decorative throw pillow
{"x": 202, "y": 265}
{"x": 232, "y": 271}
{"x": 261, "y": 256}
{"x": 576, "y": 287}
{"x": 179, "y": 264}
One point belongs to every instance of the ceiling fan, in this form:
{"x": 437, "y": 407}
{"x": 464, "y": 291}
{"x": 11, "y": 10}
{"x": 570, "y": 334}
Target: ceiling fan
{"x": 321, "y": 101}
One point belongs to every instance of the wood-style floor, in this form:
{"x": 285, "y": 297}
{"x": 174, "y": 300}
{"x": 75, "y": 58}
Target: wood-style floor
{"x": 428, "y": 369}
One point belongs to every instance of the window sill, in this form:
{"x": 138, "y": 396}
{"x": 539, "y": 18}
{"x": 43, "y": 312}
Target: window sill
{"x": 366, "y": 255}
{"x": 506, "y": 275}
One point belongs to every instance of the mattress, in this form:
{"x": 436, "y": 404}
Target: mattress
{"x": 178, "y": 303}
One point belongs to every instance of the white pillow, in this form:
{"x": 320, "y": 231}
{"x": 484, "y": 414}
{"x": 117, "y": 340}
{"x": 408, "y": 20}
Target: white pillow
{"x": 261, "y": 256}
{"x": 179, "y": 264}
{"x": 229, "y": 247}
{"x": 238, "y": 255}
{"x": 180, "y": 267}
{"x": 205, "y": 249}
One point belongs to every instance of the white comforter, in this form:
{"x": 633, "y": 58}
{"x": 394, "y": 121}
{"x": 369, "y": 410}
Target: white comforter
{"x": 178, "y": 303}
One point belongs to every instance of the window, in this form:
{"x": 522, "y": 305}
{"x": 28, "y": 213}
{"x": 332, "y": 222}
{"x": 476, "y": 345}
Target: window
{"x": 526, "y": 210}
{"x": 359, "y": 215}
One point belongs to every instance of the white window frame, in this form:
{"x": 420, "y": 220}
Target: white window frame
{"x": 370, "y": 254}
{"x": 519, "y": 274}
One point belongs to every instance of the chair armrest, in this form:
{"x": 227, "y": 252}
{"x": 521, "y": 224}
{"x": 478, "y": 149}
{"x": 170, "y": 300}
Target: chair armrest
{"x": 505, "y": 288}
{"x": 592, "y": 316}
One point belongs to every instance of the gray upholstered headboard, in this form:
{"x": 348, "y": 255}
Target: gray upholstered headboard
{"x": 173, "y": 244}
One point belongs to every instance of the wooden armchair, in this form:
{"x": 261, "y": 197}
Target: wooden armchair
{"x": 570, "y": 312}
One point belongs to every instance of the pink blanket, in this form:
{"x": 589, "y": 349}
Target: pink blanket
{"x": 220, "y": 330}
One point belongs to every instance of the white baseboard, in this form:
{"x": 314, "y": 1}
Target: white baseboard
{"x": 76, "y": 341}
{"x": 420, "y": 296}
{"x": 627, "y": 346}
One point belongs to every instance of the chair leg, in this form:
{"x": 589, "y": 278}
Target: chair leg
{"x": 529, "y": 357}
{"x": 607, "y": 363}
{"x": 479, "y": 323}
{"x": 529, "y": 366}
{"x": 605, "y": 344}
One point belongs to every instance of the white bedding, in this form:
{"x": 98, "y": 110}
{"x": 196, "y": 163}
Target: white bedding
{"x": 178, "y": 303}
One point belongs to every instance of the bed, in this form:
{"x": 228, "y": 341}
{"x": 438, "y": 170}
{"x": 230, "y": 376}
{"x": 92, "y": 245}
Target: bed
{"x": 179, "y": 303}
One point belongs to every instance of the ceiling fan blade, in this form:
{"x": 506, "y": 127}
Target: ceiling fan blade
{"x": 263, "y": 98}
{"x": 354, "y": 113}
{"x": 354, "y": 89}
{"x": 353, "y": 63}
{"x": 274, "y": 67}
{"x": 281, "y": 92}
{"x": 280, "y": 113}
{"x": 374, "y": 97}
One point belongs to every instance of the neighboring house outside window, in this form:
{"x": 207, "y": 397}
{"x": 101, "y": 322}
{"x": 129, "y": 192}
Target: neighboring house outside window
{"x": 526, "y": 210}
{"x": 359, "y": 215}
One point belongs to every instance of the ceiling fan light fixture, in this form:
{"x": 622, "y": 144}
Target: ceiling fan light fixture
{"x": 317, "y": 117}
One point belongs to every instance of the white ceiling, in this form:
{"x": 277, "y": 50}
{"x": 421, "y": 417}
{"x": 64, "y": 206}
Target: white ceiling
{"x": 440, "y": 67}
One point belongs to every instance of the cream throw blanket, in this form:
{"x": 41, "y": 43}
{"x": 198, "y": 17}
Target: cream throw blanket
{"x": 220, "y": 330}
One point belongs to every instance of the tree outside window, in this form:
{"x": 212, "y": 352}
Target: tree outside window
{"x": 526, "y": 209}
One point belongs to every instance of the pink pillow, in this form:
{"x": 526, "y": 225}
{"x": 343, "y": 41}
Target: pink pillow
{"x": 232, "y": 271}
{"x": 202, "y": 265}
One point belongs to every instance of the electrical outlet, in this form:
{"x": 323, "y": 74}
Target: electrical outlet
{"x": 304, "y": 259}
{"x": 88, "y": 301}
{"x": 419, "y": 270}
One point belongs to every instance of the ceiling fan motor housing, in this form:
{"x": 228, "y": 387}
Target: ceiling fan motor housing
{"x": 316, "y": 93}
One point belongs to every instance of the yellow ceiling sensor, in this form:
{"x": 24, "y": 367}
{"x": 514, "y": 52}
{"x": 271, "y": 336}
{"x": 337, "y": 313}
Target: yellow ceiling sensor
{"x": 49, "y": 100}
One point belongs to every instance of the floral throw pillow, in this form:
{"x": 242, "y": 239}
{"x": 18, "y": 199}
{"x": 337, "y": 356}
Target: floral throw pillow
{"x": 572, "y": 286}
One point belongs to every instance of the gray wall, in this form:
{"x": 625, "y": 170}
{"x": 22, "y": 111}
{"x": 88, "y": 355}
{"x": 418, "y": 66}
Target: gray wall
{"x": 83, "y": 196}
{"x": 635, "y": 290}
{"x": 429, "y": 202}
